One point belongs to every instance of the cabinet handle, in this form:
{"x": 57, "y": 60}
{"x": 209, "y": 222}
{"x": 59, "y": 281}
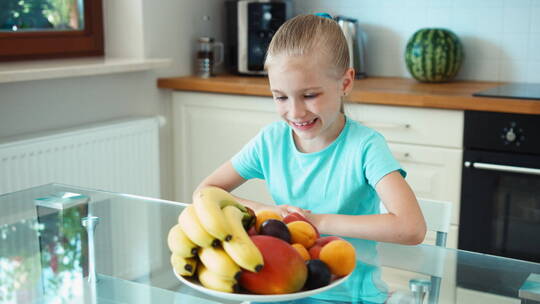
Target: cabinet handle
{"x": 385, "y": 125}
{"x": 402, "y": 155}
{"x": 494, "y": 167}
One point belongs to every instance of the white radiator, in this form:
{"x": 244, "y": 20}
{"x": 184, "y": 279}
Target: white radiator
{"x": 120, "y": 156}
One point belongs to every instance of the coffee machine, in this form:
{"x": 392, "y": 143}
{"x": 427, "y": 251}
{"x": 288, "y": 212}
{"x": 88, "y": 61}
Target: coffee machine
{"x": 251, "y": 26}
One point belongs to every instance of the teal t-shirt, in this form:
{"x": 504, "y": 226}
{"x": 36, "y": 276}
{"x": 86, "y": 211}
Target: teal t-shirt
{"x": 340, "y": 179}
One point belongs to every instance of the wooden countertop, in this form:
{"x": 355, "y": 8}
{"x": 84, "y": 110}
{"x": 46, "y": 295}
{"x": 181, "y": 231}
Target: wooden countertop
{"x": 455, "y": 95}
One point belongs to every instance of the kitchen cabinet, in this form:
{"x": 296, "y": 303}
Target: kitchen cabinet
{"x": 428, "y": 144}
{"x": 210, "y": 128}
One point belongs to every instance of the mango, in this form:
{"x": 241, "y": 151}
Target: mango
{"x": 284, "y": 269}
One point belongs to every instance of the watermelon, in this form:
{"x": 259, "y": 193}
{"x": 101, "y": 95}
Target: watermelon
{"x": 434, "y": 55}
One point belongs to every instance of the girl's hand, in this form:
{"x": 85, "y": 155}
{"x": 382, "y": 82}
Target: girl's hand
{"x": 285, "y": 210}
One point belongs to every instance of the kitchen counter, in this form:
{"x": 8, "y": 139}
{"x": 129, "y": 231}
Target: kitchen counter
{"x": 455, "y": 95}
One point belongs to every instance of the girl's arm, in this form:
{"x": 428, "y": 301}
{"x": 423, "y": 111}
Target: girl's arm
{"x": 403, "y": 224}
{"x": 226, "y": 178}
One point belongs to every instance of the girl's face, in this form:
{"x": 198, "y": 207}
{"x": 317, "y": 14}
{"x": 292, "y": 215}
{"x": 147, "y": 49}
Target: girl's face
{"x": 308, "y": 98}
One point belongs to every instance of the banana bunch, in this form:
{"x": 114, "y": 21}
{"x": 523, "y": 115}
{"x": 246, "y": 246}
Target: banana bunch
{"x": 210, "y": 240}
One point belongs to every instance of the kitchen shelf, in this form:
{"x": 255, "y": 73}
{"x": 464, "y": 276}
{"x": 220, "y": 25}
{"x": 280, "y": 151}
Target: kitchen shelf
{"x": 61, "y": 68}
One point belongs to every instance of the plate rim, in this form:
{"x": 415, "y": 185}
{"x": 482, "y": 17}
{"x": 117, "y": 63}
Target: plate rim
{"x": 258, "y": 297}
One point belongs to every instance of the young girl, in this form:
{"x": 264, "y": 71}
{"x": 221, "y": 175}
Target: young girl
{"x": 319, "y": 162}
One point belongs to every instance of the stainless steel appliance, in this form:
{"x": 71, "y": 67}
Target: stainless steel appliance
{"x": 356, "y": 42}
{"x": 251, "y": 26}
{"x": 500, "y": 194}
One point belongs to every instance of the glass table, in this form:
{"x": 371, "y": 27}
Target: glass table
{"x": 65, "y": 244}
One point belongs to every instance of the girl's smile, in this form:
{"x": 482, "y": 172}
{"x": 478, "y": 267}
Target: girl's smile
{"x": 304, "y": 126}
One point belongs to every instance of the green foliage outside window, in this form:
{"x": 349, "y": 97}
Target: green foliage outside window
{"x": 16, "y": 15}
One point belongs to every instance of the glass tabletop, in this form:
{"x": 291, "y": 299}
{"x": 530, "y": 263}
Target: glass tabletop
{"x": 65, "y": 244}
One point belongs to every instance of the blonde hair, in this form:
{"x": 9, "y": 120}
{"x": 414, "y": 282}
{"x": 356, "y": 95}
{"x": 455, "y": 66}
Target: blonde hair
{"x": 308, "y": 34}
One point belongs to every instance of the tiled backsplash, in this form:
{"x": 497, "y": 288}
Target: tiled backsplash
{"x": 501, "y": 37}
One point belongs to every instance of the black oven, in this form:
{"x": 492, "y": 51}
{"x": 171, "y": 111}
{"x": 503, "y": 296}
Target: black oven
{"x": 500, "y": 190}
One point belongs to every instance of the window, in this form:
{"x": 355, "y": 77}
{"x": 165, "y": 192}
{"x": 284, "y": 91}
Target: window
{"x": 38, "y": 29}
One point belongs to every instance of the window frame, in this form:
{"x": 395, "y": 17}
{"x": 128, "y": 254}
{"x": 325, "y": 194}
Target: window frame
{"x": 57, "y": 44}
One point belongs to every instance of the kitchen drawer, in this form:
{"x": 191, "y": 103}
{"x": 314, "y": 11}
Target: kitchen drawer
{"x": 433, "y": 127}
{"x": 432, "y": 172}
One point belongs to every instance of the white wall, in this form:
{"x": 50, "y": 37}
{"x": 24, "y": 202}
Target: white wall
{"x": 501, "y": 37}
{"x": 167, "y": 29}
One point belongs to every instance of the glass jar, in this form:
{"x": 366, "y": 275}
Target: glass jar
{"x": 205, "y": 56}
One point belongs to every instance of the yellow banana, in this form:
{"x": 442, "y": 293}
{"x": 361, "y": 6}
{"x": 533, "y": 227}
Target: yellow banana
{"x": 207, "y": 202}
{"x": 222, "y": 197}
{"x": 183, "y": 266}
{"x": 189, "y": 222}
{"x": 180, "y": 244}
{"x": 219, "y": 262}
{"x": 241, "y": 249}
{"x": 213, "y": 281}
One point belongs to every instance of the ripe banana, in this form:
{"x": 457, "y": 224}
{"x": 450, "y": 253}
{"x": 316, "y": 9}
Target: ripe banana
{"x": 219, "y": 262}
{"x": 183, "y": 266}
{"x": 213, "y": 281}
{"x": 180, "y": 244}
{"x": 241, "y": 249}
{"x": 207, "y": 203}
{"x": 189, "y": 222}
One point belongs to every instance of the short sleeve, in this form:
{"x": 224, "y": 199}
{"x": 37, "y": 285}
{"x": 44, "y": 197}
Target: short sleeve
{"x": 247, "y": 162}
{"x": 378, "y": 161}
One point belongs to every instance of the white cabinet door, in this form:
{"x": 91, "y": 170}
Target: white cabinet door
{"x": 433, "y": 173}
{"x": 208, "y": 130}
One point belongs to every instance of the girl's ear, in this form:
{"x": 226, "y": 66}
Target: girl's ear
{"x": 348, "y": 81}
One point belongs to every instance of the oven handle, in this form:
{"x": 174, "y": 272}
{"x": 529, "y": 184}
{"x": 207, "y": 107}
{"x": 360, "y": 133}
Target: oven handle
{"x": 504, "y": 168}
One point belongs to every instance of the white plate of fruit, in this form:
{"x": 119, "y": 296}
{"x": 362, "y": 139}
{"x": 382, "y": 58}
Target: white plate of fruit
{"x": 221, "y": 248}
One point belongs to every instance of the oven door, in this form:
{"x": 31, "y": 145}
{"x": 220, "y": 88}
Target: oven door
{"x": 500, "y": 204}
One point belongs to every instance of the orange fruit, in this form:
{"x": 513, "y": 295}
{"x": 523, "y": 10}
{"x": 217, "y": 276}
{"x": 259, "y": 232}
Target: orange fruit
{"x": 302, "y": 233}
{"x": 340, "y": 256}
{"x": 302, "y": 250}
